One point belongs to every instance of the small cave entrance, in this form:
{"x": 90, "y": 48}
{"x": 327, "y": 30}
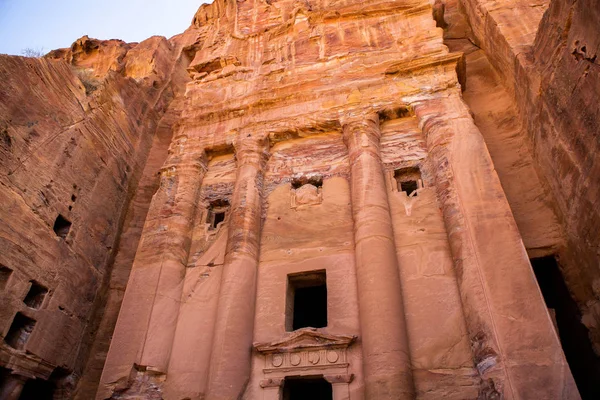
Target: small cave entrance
{"x": 306, "y": 304}
{"x": 573, "y": 334}
{"x": 62, "y": 226}
{"x": 307, "y": 388}
{"x": 35, "y": 296}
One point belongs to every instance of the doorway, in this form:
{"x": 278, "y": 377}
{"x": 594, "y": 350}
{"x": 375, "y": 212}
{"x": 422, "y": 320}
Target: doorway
{"x": 307, "y": 388}
{"x": 573, "y": 334}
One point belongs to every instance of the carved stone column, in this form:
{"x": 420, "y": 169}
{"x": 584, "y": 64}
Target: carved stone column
{"x": 146, "y": 325}
{"x": 181, "y": 177}
{"x": 272, "y": 388}
{"x": 12, "y": 387}
{"x": 387, "y": 367}
{"x": 340, "y": 386}
{"x": 232, "y": 343}
{"x": 515, "y": 348}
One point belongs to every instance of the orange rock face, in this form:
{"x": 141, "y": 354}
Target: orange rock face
{"x": 323, "y": 199}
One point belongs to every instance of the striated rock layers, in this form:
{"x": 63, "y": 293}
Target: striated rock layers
{"x": 307, "y": 199}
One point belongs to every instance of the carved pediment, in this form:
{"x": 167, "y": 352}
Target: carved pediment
{"x": 305, "y": 339}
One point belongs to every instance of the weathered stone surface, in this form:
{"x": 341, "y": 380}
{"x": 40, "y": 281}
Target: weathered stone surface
{"x": 76, "y": 137}
{"x": 407, "y": 157}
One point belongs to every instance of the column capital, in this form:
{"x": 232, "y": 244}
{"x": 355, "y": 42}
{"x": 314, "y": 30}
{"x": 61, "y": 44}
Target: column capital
{"x": 272, "y": 382}
{"x": 251, "y": 149}
{"x": 345, "y": 378}
{"x": 358, "y": 119}
{"x": 184, "y": 153}
{"x": 361, "y": 131}
{"x": 194, "y": 160}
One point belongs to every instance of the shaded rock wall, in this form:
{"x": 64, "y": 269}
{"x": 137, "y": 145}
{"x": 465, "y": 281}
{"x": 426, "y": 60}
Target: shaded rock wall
{"x": 546, "y": 58}
{"x": 77, "y": 129}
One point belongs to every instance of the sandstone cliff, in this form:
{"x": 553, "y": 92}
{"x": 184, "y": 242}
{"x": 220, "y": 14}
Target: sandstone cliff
{"x": 78, "y": 127}
{"x": 171, "y": 187}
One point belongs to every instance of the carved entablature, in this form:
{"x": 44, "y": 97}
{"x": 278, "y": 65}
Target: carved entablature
{"x": 306, "y": 350}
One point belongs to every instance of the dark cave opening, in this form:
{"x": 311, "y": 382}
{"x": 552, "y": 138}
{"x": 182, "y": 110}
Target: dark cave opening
{"x": 573, "y": 334}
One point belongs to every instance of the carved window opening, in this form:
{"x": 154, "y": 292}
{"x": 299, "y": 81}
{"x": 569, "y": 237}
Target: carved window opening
{"x": 217, "y": 212}
{"x": 306, "y": 304}
{"x": 573, "y": 334}
{"x": 408, "y": 180}
{"x": 19, "y": 331}
{"x": 35, "y": 296}
{"x": 307, "y": 387}
{"x": 62, "y": 226}
{"x": 307, "y": 191}
{"x": 316, "y": 181}
{"x": 5, "y": 274}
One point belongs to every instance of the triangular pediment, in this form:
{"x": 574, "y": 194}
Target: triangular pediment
{"x": 305, "y": 338}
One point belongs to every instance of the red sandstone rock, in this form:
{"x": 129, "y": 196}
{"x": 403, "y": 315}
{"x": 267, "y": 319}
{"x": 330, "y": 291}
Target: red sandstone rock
{"x": 204, "y": 182}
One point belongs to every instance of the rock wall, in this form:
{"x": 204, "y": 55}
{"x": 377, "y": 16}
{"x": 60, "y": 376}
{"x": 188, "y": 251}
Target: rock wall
{"x": 77, "y": 129}
{"x": 167, "y": 199}
{"x": 546, "y": 58}
{"x": 277, "y": 89}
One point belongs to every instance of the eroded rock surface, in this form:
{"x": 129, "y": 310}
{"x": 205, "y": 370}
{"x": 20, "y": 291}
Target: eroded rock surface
{"x": 333, "y": 190}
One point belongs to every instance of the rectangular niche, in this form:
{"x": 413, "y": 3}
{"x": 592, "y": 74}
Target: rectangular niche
{"x": 35, "y": 296}
{"x": 307, "y": 191}
{"x": 5, "y": 274}
{"x": 408, "y": 180}
{"x": 306, "y": 303}
{"x": 217, "y": 212}
{"x": 19, "y": 331}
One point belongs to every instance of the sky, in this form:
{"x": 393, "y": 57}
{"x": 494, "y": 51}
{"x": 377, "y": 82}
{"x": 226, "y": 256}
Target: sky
{"x": 53, "y": 24}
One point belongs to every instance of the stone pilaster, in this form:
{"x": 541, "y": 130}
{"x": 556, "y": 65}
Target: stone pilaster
{"x": 232, "y": 343}
{"x": 146, "y": 325}
{"x": 387, "y": 367}
{"x": 513, "y": 340}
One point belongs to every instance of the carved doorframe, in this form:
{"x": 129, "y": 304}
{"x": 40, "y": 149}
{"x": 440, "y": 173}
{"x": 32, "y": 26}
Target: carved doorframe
{"x": 306, "y": 352}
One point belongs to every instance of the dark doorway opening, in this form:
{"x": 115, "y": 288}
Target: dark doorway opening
{"x": 573, "y": 334}
{"x": 219, "y": 217}
{"x": 310, "y": 307}
{"x": 306, "y": 300}
{"x": 307, "y": 388}
{"x": 38, "y": 389}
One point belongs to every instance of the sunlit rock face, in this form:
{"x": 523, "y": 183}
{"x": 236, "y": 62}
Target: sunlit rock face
{"x": 298, "y": 199}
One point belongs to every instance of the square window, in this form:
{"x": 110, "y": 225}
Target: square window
{"x": 19, "y": 331}
{"x": 35, "y": 296}
{"x": 306, "y": 304}
{"x": 408, "y": 180}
